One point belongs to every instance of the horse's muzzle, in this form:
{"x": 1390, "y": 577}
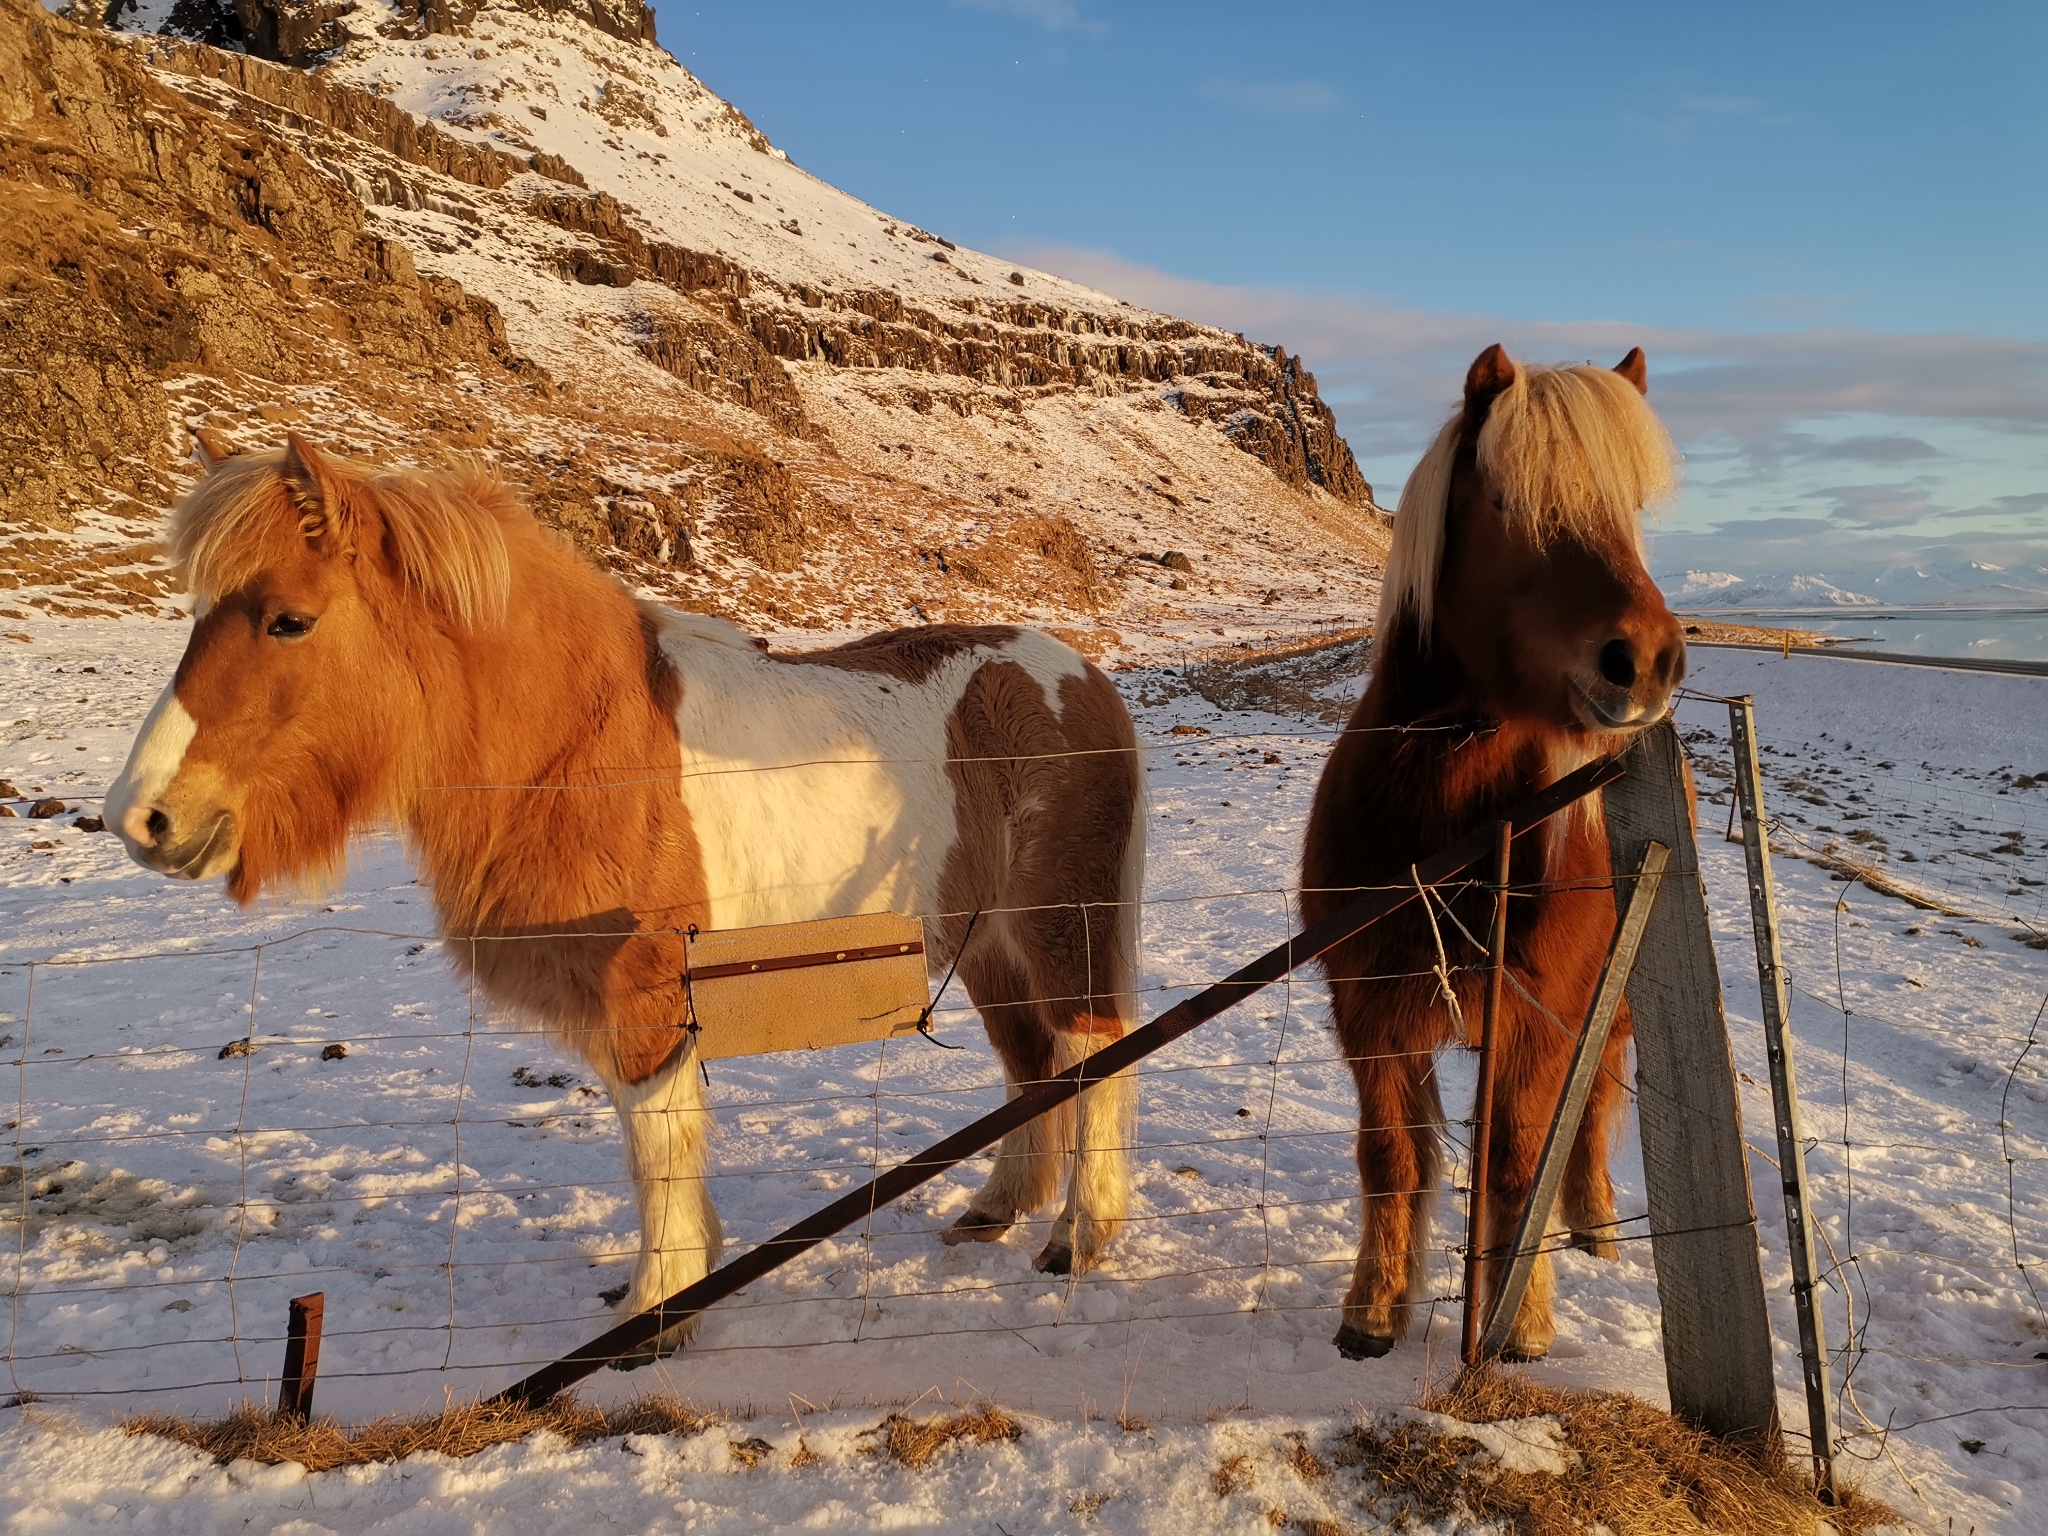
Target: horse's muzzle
{"x": 155, "y": 840}
{"x": 1626, "y": 688}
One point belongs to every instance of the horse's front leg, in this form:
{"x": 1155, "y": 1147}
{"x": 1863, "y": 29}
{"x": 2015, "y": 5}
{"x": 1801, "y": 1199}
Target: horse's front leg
{"x": 1588, "y": 1186}
{"x": 1099, "y": 1173}
{"x": 1399, "y": 1161}
{"x": 667, "y": 1130}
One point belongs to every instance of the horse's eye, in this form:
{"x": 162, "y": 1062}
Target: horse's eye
{"x": 290, "y": 626}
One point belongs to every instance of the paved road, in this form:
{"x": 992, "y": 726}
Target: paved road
{"x": 1956, "y": 663}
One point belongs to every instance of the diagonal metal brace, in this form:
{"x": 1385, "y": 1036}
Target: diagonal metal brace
{"x": 921, "y": 1167}
{"x": 1571, "y": 1103}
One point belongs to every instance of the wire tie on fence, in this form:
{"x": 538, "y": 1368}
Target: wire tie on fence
{"x": 924, "y": 1019}
{"x": 690, "y": 1025}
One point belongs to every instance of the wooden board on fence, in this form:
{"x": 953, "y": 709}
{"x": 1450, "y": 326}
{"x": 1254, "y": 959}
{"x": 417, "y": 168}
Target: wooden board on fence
{"x": 1710, "y": 1284}
{"x": 803, "y": 986}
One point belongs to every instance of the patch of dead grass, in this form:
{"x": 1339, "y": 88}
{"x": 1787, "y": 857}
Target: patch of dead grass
{"x": 1231, "y": 1474}
{"x": 1638, "y": 1471}
{"x": 914, "y": 1442}
{"x": 257, "y": 1434}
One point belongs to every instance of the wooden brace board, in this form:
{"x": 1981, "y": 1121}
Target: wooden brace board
{"x": 1717, "y": 1334}
{"x": 804, "y": 986}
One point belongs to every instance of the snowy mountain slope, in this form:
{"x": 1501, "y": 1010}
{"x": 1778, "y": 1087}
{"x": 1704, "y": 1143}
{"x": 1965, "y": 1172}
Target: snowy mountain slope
{"x": 739, "y": 387}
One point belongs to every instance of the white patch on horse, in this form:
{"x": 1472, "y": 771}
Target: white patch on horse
{"x": 822, "y": 791}
{"x": 152, "y": 765}
{"x": 1048, "y": 661}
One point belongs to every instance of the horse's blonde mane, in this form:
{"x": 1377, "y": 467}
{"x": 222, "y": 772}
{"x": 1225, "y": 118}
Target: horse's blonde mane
{"x": 444, "y": 532}
{"x": 1570, "y": 451}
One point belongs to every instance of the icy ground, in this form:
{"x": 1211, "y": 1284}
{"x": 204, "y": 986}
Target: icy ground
{"x": 456, "y": 1193}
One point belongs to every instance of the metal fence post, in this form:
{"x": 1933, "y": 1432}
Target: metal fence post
{"x": 1770, "y": 974}
{"x": 1482, "y": 1100}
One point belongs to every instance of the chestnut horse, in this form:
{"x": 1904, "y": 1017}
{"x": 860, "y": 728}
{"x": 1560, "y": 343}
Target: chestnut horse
{"x": 1519, "y": 637}
{"x": 584, "y": 777}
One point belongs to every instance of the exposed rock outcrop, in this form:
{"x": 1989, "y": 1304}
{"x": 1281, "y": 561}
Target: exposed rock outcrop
{"x": 196, "y": 235}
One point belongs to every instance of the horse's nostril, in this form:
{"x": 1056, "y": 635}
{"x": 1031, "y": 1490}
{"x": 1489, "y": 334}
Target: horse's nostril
{"x": 1618, "y": 663}
{"x": 159, "y": 825}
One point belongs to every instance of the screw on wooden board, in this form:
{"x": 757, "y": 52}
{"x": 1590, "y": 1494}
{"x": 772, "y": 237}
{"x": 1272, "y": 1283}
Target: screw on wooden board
{"x": 301, "y": 1357}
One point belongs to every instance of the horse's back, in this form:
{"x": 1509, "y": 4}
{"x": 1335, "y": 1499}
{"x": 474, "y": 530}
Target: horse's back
{"x": 829, "y": 782}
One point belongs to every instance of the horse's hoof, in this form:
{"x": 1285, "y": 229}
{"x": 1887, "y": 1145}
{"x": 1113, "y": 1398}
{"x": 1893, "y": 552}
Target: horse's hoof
{"x": 1356, "y": 1344}
{"x": 1057, "y": 1259}
{"x": 614, "y": 1296}
{"x": 660, "y": 1347}
{"x": 1518, "y": 1355}
{"x": 1597, "y": 1242}
{"x": 972, "y": 1228}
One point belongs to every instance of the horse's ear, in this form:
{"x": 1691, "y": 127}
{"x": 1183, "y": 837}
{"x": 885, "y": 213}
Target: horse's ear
{"x": 1491, "y": 372}
{"x": 315, "y": 485}
{"x": 211, "y": 449}
{"x": 1636, "y": 369}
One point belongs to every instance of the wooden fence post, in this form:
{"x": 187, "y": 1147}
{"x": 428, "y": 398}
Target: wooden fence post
{"x": 301, "y": 1357}
{"x": 1572, "y": 1098}
{"x": 1710, "y": 1283}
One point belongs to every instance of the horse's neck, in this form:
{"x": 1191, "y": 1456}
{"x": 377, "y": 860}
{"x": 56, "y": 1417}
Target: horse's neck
{"x": 1414, "y": 681}
{"x": 1423, "y": 763}
{"x": 554, "y": 747}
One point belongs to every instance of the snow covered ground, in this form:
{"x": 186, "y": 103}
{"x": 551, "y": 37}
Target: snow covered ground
{"x": 456, "y": 1193}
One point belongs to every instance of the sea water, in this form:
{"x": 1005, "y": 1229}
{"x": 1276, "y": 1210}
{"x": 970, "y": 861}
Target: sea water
{"x": 1989, "y": 634}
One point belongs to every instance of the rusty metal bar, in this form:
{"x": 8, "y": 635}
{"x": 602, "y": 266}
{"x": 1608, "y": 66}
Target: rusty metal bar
{"x": 922, "y": 1167}
{"x": 1476, "y": 1201}
{"x": 301, "y": 1357}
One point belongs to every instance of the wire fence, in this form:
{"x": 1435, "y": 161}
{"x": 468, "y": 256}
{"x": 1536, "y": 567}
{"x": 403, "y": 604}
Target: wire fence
{"x": 1921, "y": 1030}
{"x": 202, "y": 1131}
{"x": 458, "y": 1191}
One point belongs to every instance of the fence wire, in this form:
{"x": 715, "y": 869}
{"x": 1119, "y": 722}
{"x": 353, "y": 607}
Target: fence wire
{"x": 1909, "y": 897}
{"x": 201, "y": 1132}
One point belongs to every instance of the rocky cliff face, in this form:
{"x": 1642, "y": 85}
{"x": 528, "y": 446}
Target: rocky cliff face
{"x": 739, "y": 386}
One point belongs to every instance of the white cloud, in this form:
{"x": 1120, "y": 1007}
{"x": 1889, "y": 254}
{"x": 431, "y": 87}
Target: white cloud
{"x": 1768, "y": 421}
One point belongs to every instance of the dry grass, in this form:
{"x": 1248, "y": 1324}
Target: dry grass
{"x": 916, "y": 1441}
{"x": 1231, "y": 1474}
{"x": 251, "y": 1433}
{"x": 1316, "y": 678}
{"x": 1638, "y": 1470}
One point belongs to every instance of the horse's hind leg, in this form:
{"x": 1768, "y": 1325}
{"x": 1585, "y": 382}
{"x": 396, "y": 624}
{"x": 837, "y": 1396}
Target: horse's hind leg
{"x": 1399, "y": 1160}
{"x": 1027, "y": 1167}
{"x": 1588, "y": 1193}
{"x": 666, "y": 1128}
{"x": 1099, "y": 1180}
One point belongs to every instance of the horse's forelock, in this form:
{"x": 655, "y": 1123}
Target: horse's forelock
{"x": 444, "y": 532}
{"x": 1577, "y": 452}
{"x": 1570, "y": 451}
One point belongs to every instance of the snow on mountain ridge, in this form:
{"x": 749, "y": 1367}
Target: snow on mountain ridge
{"x": 1724, "y": 589}
{"x": 742, "y": 390}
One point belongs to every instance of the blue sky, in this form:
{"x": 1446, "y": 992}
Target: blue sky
{"x": 1826, "y": 223}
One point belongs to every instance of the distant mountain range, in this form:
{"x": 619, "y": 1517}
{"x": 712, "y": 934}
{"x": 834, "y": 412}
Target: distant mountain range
{"x": 1972, "y": 585}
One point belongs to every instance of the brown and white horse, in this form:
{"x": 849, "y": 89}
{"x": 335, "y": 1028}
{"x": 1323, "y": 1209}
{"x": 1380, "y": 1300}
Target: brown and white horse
{"x": 583, "y": 777}
{"x": 1519, "y": 631}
